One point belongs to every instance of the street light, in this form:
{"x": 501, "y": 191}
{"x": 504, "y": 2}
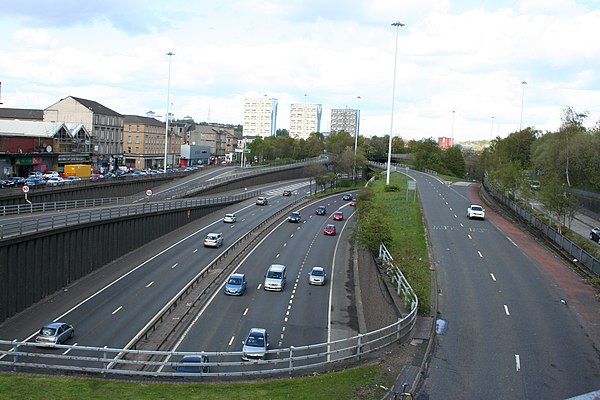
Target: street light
{"x": 522, "y": 99}
{"x": 167, "y": 115}
{"x": 452, "y": 135}
{"x": 397, "y": 25}
{"x": 356, "y": 133}
{"x": 492, "y": 130}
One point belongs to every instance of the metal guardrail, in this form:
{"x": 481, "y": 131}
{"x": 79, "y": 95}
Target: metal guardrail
{"x": 583, "y": 257}
{"x": 17, "y": 209}
{"x": 27, "y": 357}
{"x": 12, "y": 229}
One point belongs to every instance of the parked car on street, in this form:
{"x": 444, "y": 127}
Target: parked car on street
{"x": 50, "y": 174}
{"x": 54, "y": 333}
{"x": 35, "y": 182}
{"x": 15, "y": 181}
{"x": 72, "y": 179}
{"x": 96, "y": 177}
{"x": 55, "y": 181}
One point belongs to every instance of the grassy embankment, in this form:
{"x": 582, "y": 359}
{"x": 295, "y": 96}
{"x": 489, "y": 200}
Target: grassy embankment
{"x": 388, "y": 213}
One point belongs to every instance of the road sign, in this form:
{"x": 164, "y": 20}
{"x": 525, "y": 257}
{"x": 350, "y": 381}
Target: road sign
{"x": 25, "y": 189}
{"x": 412, "y": 185}
{"x": 242, "y": 151}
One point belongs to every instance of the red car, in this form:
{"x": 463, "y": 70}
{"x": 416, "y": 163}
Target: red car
{"x": 329, "y": 230}
{"x": 352, "y": 203}
{"x": 338, "y": 216}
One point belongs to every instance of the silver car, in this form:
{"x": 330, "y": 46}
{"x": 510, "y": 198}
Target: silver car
{"x": 230, "y": 218}
{"x": 54, "y": 333}
{"x": 317, "y": 276}
{"x": 255, "y": 345}
{"x": 213, "y": 240}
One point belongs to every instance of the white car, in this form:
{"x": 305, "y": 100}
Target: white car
{"x": 213, "y": 240}
{"x": 55, "y": 181}
{"x": 475, "y": 211}
{"x": 51, "y": 174}
{"x": 230, "y": 218}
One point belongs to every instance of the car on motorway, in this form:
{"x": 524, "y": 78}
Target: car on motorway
{"x": 230, "y": 218}
{"x": 329, "y": 230}
{"x": 15, "y": 181}
{"x": 55, "y": 181}
{"x": 275, "y": 278}
{"x": 54, "y": 333}
{"x": 236, "y": 285}
{"x": 295, "y": 217}
{"x": 192, "y": 364}
{"x": 262, "y": 201}
{"x": 595, "y": 235}
{"x": 475, "y": 211}
{"x": 338, "y": 216}
{"x": 287, "y": 192}
{"x": 347, "y": 197}
{"x": 316, "y": 276}
{"x": 213, "y": 240}
{"x": 321, "y": 210}
{"x": 352, "y": 203}
{"x": 256, "y": 344}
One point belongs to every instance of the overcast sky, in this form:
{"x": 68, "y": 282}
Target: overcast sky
{"x": 460, "y": 64}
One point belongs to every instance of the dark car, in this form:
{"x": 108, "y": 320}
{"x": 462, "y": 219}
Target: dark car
{"x": 35, "y": 182}
{"x": 321, "y": 210}
{"x": 595, "y": 235}
{"x": 347, "y": 197}
{"x": 54, "y": 333}
{"x": 2, "y": 183}
{"x": 294, "y": 217}
{"x": 192, "y": 364}
{"x": 15, "y": 181}
{"x": 287, "y": 192}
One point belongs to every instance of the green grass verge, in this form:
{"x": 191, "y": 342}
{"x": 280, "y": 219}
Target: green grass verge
{"x": 357, "y": 383}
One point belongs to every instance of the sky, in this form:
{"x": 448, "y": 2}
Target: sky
{"x": 455, "y": 69}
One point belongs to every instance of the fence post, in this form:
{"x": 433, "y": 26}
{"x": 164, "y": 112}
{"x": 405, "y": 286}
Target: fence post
{"x": 291, "y": 365}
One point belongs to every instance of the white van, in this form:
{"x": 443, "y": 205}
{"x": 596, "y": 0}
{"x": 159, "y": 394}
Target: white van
{"x": 275, "y": 278}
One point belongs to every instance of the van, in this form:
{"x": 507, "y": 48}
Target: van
{"x": 275, "y": 278}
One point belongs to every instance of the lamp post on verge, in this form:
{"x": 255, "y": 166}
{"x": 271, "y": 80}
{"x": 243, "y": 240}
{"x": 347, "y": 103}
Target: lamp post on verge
{"x": 492, "y": 130}
{"x": 522, "y": 99}
{"x": 167, "y": 114}
{"x": 397, "y": 25}
{"x": 452, "y": 133}
{"x": 357, "y": 128}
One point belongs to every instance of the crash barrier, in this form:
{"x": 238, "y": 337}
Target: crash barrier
{"x": 17, "y": 209}
{"x": 20, "y": 356}
{"x": 28, "y": 226}
{"x": 583, "y": 258}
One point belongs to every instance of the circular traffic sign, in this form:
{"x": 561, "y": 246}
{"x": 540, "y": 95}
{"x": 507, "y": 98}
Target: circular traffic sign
{"x": 25, "y": 189}
{"x": 149, "y": 192}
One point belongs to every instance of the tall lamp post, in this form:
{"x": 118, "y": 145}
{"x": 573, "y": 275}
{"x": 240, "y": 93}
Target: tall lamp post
{"x": 492, "y": 130}
{"x": 356, "y": 133}
{"x": 522, "y": 99}
{"x": 397, "y": 25}
{"x": 452, "y": 133}
{"x": 167, "y": 115}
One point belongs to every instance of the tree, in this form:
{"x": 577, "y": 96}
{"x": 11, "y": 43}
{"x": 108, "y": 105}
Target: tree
{"x": 282, "y": 132}
{"x": 454, "y": 161}
{"x": 558, "y": 200}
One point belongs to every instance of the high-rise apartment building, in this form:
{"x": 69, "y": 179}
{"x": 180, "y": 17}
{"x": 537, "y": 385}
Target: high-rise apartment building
{"x": 345, "y": 120}
{"x": 304, "y": 120}
{"x": 260, "y": 116}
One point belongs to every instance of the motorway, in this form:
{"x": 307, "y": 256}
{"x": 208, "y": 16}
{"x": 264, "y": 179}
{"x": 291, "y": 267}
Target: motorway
{"x": 504, "y": 327}
{"x": 111, "y": 306}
